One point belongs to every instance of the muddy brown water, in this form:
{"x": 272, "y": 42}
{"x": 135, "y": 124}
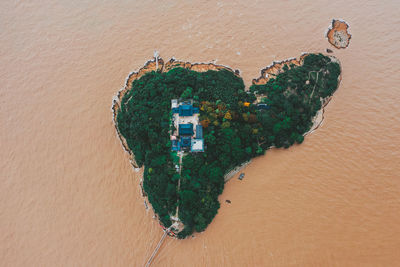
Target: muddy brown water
{"x": 68, "y": 194}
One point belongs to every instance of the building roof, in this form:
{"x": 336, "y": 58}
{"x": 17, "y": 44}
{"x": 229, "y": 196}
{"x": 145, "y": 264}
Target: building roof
{"x": 176, "y": 146}
{"x": 174, "y": 103}
{"x": 262, "y": 106}
{"x": 199, "y": 131}
{"x": 197, "y": 145}
{"x": 186, "y": 141}
{"x": 185, "y": 110}
{"x": 185, "y": 129}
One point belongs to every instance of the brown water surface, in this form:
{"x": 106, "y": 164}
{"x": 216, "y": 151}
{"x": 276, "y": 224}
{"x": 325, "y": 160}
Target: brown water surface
{"x": 68, "y": 194}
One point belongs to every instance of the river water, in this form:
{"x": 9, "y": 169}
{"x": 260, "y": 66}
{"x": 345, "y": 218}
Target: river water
{"x": 69, "y": 196}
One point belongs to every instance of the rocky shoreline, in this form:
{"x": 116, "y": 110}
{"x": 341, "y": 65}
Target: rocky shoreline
{"x": 276, "y": 67}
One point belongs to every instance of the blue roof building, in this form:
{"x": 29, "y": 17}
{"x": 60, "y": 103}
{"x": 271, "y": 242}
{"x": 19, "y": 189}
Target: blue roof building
{"x": 185, "y": 110}
{"x": 185, "y": 117}
{"x": 199, "y": 131}
{"x": 262, "y": 106}
{"x": 186, "y": 129}
{"x": 186, "y": 141}
{"x": 176, "y": 146}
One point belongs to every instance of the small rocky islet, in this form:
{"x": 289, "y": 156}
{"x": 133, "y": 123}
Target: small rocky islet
{"x": 338, "y": 34}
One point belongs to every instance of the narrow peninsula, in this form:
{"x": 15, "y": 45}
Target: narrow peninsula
{"x": 191, "y": 124}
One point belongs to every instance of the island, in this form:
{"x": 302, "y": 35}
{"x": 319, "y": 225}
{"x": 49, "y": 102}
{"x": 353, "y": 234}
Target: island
{"x": 338, "y": 34}
{"x": 189, "y": 125}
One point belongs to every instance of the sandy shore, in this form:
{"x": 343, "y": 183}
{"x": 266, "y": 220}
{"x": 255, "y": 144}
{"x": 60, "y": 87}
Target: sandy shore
{"x": 338, "y": 34}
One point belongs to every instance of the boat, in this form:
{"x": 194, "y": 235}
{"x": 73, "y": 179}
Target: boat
{"x": 241, "y": 176}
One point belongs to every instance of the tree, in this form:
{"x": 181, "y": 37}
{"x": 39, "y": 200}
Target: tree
{"x": 228, "y": 116}
{"x": 205, "y": 122}
{"x": 225, "y": 124}
{"x": 187, "y": 93}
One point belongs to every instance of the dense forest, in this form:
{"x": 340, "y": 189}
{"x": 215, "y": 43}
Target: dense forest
{"x": 236, "y": 129}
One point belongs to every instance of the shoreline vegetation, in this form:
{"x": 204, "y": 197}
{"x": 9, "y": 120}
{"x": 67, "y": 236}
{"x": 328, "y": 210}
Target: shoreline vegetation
{"x": 293, "y": 94}
{"x": 338, "y": 34}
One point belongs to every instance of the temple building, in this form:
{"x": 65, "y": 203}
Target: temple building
{"x": 188, "y": 133}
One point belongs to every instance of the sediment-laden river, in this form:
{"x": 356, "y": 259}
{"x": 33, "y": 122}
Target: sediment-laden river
{"x": 69, "y": 196}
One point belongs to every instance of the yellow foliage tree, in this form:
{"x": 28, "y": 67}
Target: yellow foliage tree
{"x": 228, "y": 116}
